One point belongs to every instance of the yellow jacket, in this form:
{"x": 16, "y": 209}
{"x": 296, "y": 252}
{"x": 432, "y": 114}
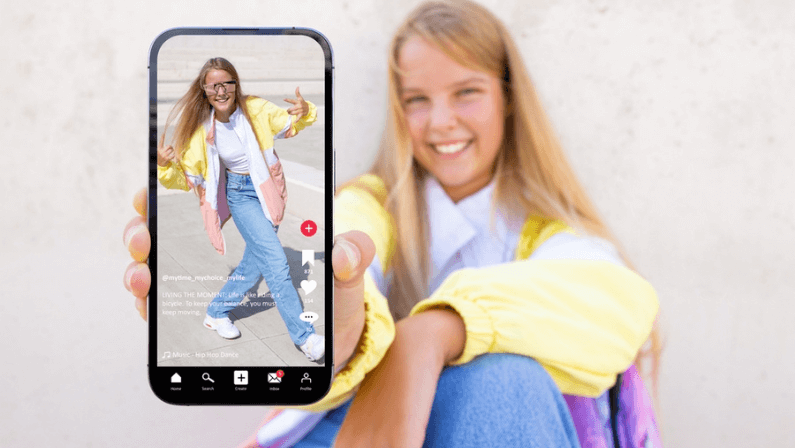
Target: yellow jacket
{"x": 583, "y": 321}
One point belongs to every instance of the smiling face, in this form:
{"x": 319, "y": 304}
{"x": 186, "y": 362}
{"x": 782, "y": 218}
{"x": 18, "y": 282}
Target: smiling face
{"x": 455, "y": 115}
{"x": 223, "y": 102}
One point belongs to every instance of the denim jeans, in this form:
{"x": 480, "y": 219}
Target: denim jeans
{"x": 264, "y": 257}
{"x": 499, "y": 400}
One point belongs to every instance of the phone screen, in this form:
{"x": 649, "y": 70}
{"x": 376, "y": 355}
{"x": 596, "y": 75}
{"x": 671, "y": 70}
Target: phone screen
{"x": 240, "y": 196}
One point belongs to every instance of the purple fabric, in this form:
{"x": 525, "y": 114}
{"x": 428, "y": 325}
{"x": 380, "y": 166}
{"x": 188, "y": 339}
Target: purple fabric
{"x": 636, "y": 425}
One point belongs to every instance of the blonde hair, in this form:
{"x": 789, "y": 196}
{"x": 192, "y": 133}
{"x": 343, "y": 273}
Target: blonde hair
{"x": 193, "y": 109}
{"x": 532, "y": 173}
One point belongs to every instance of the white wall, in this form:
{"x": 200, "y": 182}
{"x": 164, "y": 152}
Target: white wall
{"x": 677, "y": 115}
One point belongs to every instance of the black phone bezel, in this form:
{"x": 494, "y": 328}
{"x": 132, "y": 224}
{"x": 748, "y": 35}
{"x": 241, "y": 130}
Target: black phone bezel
{"x": 292, "y": 390}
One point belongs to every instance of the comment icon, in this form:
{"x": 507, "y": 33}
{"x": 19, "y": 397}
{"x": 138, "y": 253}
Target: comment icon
{"x": 308, "y": 316}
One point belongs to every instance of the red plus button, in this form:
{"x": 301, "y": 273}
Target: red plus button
{"x": 308, "y": 227}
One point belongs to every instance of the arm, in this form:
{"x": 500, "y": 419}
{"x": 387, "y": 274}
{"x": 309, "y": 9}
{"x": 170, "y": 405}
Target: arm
{"x": 583, "y": 320}
{"x": 394, "y": 403}
{"x": 287, "y": 123}
{"x": 173, "y": 174}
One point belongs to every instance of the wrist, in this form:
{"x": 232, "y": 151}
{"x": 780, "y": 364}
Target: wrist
{"x": 440, "y": 330}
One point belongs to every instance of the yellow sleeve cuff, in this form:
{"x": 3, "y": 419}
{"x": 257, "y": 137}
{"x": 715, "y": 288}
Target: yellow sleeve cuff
{"x": 172, "y": 177}
{"x": 584, "y": 321}
{"x": 307, "y": 119}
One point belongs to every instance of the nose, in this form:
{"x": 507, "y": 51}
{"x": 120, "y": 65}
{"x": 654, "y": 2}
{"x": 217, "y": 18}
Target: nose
{"x": 442, "y": 116}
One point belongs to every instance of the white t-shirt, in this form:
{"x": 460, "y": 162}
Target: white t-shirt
{"x": 229, "y": 143}
{"x": 230, "y": 147}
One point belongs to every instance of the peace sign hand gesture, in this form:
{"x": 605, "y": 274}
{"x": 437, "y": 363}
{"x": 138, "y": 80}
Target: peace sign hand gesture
{"x": 300, "y": 106}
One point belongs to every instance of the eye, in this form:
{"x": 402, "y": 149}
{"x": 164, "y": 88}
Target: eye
{"x": 467, "y": 91}
{"x": 414, "y": 100}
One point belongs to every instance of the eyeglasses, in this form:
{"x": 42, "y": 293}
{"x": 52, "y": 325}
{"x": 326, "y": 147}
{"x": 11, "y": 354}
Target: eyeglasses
{"x": 213, "y": 89}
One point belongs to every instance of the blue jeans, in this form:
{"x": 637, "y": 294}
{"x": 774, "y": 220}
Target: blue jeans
{"x": 264, "y": 257}
{"x": 499, "y": 400}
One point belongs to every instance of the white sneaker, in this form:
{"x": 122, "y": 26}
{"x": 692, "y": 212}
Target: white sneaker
{"x": 224, "y": 327}
{"x": 315, "y": 347}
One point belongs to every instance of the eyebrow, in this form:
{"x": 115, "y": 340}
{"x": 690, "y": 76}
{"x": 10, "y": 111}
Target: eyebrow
{"x": 473, "y": 79}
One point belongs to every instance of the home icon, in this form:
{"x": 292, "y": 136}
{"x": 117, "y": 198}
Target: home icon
{"x": 175, "y": 378}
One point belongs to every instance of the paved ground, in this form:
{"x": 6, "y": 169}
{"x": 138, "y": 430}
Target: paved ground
{"x": 184, "y": 250}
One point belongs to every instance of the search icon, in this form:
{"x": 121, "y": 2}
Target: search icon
{"x": 206, "y": 377}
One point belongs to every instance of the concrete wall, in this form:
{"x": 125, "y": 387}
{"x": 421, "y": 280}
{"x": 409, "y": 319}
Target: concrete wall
{"x": 677, "y": 115}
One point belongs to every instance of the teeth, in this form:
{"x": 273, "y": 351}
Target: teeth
{"x": 452, "y": 148}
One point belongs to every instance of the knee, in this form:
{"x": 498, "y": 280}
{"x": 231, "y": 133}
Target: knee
{"x": 505, "y": 399}
{"x": 514, "y": 380}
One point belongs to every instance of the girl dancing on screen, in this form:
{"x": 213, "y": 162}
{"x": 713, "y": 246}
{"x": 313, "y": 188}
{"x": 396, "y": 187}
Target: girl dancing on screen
{"x": 224, "y": 142}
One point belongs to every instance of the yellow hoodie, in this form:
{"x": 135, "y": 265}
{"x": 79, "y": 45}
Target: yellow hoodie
{"x": 582, "y": 320}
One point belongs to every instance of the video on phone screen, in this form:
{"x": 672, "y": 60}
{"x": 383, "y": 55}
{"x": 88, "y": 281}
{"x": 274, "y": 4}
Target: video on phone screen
{"x": 240, "y": 254}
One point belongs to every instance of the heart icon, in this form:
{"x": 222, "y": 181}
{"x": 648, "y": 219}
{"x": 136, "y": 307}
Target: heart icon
{"x": 308, "y": 285}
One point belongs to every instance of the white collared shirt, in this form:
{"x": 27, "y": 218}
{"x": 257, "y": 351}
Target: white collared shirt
{"x": 468, "y": 235}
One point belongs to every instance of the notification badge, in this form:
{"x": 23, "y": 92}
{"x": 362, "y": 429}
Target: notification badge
{"x": 308, "y": 228}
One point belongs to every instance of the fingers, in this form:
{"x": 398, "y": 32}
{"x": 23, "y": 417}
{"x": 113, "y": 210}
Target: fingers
{"x": 297, "y": 109}
{"x": 300, "y": 106}
{"x": 137, "y": 277}
{"x": 169, "y": 153}
{"x": 136, "y": 238}
{"x": 139, "y": 202}
{"x": 137, "y": 280}
{"x": 166, "y": 155}
{"x": 353, "y": 252}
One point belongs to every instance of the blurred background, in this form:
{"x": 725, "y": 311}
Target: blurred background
{"x": 677, "y": 115}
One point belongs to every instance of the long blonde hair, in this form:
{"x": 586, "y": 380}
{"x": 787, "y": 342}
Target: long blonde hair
{"x": 532, "y": 173}
{"x": 193, "y": 109}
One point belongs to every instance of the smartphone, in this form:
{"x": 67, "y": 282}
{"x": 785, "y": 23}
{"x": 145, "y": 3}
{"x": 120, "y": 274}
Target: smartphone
{"x": 241, "y": 187}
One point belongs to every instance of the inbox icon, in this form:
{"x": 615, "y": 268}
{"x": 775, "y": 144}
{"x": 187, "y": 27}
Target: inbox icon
{"x": 275, "y": 377}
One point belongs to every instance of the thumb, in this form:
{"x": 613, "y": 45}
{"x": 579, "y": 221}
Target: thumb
{"x": 353, "y": 252}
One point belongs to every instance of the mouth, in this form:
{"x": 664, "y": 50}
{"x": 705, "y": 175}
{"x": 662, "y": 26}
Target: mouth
{"x": 451, "y": 148}
{"x": 222, "y": 100}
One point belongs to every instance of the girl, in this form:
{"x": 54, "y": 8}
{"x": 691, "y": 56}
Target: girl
{"x": 226, "y": 156}
{"x": 504, "y": 284}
